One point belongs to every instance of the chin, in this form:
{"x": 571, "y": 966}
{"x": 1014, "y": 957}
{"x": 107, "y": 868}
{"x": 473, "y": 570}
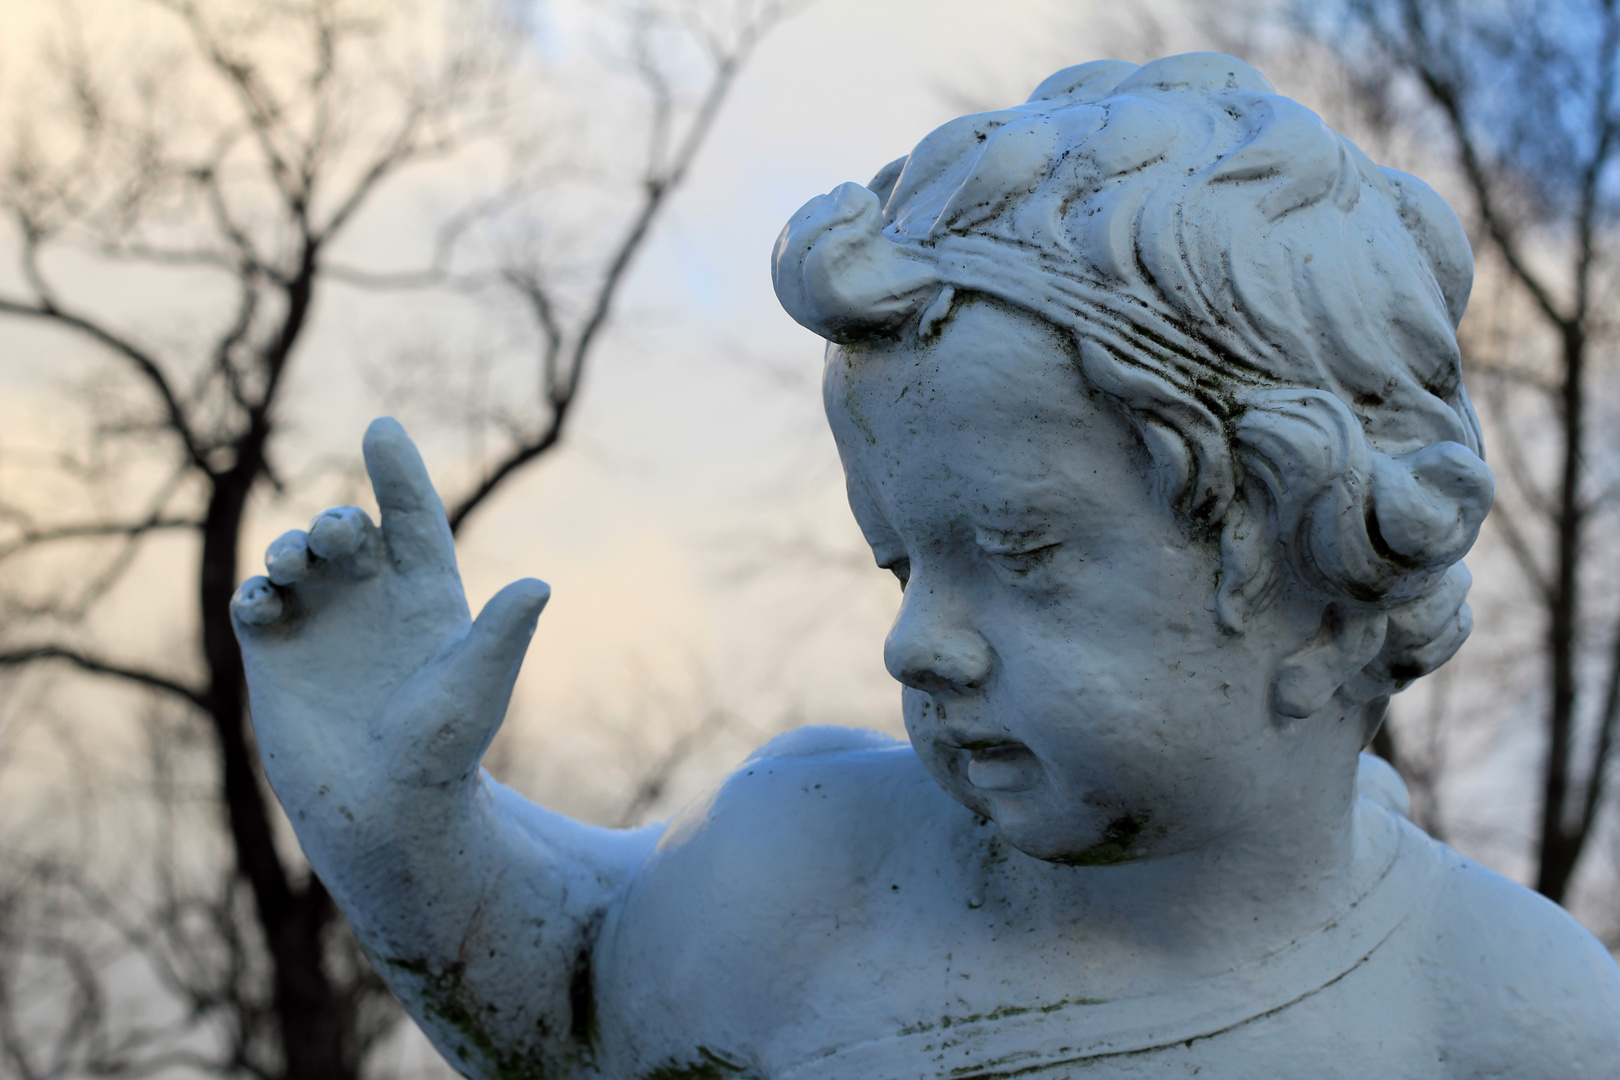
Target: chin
{"x": 1104, "y": 839}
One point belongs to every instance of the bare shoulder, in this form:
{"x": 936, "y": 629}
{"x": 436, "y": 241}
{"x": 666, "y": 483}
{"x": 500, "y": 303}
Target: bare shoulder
{"x": 816, "y": 803}
{"x": 800, "y": 855}
{"x": 820, "y": 789}
{"x": 1529, "y": 992}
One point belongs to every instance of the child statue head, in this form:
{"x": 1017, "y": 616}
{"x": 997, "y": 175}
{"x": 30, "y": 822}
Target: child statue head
{"x": 1151, "y": 388}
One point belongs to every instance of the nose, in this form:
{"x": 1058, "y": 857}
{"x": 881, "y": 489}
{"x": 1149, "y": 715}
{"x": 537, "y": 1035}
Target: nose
{"x": 932, "y": 646}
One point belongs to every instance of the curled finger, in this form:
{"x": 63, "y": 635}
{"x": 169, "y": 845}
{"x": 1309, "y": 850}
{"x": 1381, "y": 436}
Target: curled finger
{"x": 256, "y": 603}
{"x": 286, "y": 560}
{"x": 345, "y": 537}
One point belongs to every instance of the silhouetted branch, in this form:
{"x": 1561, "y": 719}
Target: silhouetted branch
{"x": 1592, "y": 175}
{"x": 37, "y": 654}
{"x": 1524, "y": 97}
{"x": 36, "y": 538}
{"x": 563, "y": 365}
{"x": 653, "y": 782}
{"x": 259, "y": 109}
{"x": 46, "y": 309}
{"x": 1603, "y": 749}
{"x": 1417, "y": 53}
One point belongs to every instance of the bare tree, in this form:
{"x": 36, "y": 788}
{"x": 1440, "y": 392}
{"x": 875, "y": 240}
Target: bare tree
{"x": 239, "y": 155}
{"x": 1521, "y": 98}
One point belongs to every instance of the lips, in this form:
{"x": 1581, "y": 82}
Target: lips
{"x": 1003, "y": 767}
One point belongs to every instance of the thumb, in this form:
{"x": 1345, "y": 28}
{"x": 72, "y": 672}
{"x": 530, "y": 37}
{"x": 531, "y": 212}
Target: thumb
{"x": 483, "y": 665}
{"x": 455, "y": 719}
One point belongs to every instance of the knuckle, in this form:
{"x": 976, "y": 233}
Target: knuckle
{"x": 287, "y": 558}
{"x": 256, "y": 602}
{"x": 338, "y": 532}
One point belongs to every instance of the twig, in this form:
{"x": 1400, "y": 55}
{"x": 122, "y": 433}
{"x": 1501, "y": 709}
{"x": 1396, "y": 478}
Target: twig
{"x": 98, "y": 666}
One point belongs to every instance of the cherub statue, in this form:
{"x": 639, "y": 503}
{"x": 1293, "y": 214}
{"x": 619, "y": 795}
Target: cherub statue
{"x": 1148, "y": 392}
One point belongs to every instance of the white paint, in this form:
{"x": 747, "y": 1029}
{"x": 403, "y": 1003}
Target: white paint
{"x": 1176, "y": 511}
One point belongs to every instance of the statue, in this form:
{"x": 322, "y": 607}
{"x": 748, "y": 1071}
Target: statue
{"x": 1148, "y": 393}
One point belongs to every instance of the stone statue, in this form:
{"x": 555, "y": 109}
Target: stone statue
{"x": 1148, "y": 392}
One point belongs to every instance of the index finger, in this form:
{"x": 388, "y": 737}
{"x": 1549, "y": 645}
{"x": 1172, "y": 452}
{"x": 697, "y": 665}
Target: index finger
{"x": 413, "y": 518}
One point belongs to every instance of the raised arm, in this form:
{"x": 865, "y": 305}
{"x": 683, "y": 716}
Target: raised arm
{"x": 374, "y": 695}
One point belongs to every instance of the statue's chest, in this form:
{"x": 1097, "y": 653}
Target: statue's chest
{"x": 930, "y": 967}
{"x": 834, "y": 1002}
{"x": 1359, "y": 1028}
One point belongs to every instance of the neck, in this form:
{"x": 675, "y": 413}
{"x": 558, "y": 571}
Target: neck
{"x": 1291, "y": 869}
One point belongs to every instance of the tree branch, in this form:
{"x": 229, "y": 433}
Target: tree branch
{"x": 659, "y": 183}
{"x": 207, "y": 176}
{"x": 1511, "y": 374}
{"x": 1448, "y": 96}
{"x": 520, "y": 456}
{"x": 1516, "y": 459}
{"x": 401, "y": 149}
{"x": 1592, "y": 174}
{"x": 1522, "y": 552}
{"x": 1592, "y": 799}
{"x": 179, "y": 423}
{"x": 259, "y": 110}
{"x": 158, "y": 256}
{"x": 97, "y": 666}
{"x": 36, "y": 537}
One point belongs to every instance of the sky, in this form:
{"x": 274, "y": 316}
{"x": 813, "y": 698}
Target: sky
{"x": 693, "y": 525}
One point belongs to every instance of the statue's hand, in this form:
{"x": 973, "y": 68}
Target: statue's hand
{"x": 367, "y": 678}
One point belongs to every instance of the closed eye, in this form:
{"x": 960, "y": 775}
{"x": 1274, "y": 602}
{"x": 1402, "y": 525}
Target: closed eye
{"x": 1022, "y": 562}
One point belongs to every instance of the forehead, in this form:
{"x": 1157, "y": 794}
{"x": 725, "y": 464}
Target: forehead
{"x": 999, "y": 364}
{"x": 992, "y": 413}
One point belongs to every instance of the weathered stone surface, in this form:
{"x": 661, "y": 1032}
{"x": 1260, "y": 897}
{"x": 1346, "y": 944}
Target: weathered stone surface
{"x": 1148, "y": 392}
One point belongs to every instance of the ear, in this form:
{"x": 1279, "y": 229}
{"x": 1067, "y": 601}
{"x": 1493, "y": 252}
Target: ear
{"x": 1346, "y": 642}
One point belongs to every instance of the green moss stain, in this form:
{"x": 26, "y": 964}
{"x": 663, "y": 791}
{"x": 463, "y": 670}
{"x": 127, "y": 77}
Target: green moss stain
{"x": 447, "y": 1000}
{"x": 1001, "y": 1013}
{"x": 708, "y": 1065}
{"x": 1119, "y": 838}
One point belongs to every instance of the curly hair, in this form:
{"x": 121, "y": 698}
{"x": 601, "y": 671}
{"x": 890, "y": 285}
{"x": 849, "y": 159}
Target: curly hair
{"x": 1275, "y": 313}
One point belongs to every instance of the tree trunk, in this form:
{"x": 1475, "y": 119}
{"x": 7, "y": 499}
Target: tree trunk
{"x": 1560, "y": 845}
{"x": 313, "y": 1014}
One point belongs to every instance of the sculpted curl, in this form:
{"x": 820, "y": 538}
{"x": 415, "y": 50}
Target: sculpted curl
{"x": 1274, "y": 312}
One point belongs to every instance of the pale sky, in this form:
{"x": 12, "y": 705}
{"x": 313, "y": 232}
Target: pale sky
{"x": 672, "y": 525}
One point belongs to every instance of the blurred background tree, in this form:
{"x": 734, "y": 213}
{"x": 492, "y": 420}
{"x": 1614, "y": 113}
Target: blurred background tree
{"x": 229, "y": 160}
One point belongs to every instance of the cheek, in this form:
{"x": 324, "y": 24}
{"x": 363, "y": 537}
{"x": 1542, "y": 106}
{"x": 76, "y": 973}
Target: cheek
{"x": 1112, "y": 697}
